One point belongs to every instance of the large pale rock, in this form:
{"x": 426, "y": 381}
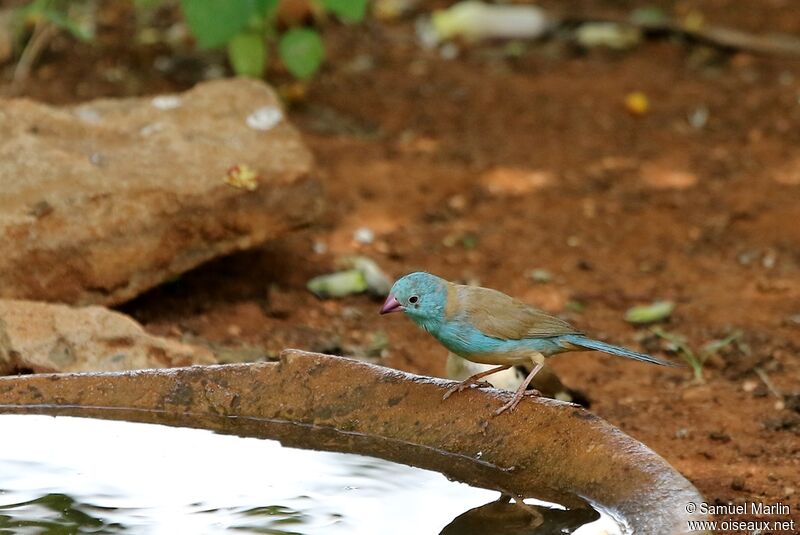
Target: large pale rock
{"x": 45, "y": 337}
{"x": 102, "y": 201}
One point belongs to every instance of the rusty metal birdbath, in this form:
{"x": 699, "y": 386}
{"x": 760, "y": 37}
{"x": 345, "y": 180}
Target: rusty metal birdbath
{"x": 545, "y": 449}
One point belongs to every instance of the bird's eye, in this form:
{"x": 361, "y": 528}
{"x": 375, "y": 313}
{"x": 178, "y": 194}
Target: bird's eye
{"x": 413, "y": 299}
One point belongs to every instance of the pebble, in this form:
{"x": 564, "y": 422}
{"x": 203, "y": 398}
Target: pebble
{"x": 749, "y": 385}
{"x": 769, "y": 259}
{"x": 360, "y": 64}
{"x": 449, "y": 51}
{"x": 659, "y": 176}
{"x": 264, "y": 118}
{"x": 540, "y": 275}
{"x": 515, "y": 182}
{"x": 697, "y": 393}
{"x": 746, "y": 258}
{"x": 163, "y": 64}
{"x": 214, "y": 71}
{"x": 698, "y": 118}
{"x": 789, "y": 174}
{"x": 457, "y": 203}
{"x": 166, "y": 102}
{"x": 364, "y": 235}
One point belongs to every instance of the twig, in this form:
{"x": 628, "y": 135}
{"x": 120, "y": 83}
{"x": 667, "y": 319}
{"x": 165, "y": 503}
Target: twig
{"x": 768, "y": 45}
{"x": 43, "y": 32}
{"x": 721, "y": 37}
{"x": 767, "y": 381}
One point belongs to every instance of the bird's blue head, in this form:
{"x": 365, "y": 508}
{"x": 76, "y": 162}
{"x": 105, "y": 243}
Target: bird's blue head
{"x": 421, "y": 296}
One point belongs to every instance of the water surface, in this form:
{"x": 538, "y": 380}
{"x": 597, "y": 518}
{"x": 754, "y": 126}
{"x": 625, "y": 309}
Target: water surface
{"x": 64, "y": 475}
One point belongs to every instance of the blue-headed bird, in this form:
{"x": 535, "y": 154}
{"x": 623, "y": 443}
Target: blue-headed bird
{"x": 489, "y": 327}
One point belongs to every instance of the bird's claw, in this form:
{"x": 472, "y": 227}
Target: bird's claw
{"x": 510, "y": 406}
{"x": 460, "y": 387}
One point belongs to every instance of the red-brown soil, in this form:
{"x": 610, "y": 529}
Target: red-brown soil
{"x": 436, "y": 156}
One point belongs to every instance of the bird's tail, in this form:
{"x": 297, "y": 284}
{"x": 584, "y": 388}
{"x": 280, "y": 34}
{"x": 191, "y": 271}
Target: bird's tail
{"x": 588, "y": 343}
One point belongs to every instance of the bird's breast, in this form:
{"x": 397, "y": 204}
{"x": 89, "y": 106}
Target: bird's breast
{"x": 468, "y": 342}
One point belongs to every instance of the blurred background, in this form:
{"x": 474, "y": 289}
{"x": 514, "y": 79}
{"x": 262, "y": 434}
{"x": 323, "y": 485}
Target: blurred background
{"x": 589, "y": 157}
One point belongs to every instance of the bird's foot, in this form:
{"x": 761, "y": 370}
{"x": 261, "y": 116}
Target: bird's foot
{"x": 510, "y": 406}
{"x": 453, "y": 389}
{"x": 460, "y": 387}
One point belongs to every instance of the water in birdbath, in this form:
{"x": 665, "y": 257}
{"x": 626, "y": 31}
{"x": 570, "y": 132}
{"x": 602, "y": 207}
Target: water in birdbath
{"x": 79, "y": 475}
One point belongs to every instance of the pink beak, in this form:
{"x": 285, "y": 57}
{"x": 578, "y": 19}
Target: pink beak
{"x": 391, "y": 305}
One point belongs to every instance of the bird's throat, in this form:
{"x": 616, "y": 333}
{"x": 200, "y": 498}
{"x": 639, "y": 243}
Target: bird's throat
{"x": 428, "y": 324}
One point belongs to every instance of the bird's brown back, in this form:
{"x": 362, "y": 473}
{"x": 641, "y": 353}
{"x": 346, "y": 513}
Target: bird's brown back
{"x": 501, "y": 316}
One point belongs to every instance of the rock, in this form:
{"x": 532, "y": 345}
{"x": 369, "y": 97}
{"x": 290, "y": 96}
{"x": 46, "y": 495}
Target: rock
{"x": 789, "y": 174}
{"x": 515, "y": 182}
{"x": 105, "y": 200}
{"x": 45, "y": 337}
{"x": 659, "y": 176}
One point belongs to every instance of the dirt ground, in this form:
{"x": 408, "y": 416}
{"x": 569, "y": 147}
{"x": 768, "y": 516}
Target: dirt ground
{"x": 487, "y": 166}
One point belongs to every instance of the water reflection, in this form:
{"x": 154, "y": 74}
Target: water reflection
{"x": 54, "y": 514}
{"x": 515, "y": 520}
{"x": 74, "y": 475}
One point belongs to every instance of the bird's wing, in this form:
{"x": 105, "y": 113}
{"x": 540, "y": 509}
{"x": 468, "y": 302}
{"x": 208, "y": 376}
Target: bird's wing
{"x": 500, "y": 316}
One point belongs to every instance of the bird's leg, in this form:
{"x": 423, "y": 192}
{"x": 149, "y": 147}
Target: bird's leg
{"x": 473, "y": 379}
{"x": 520, "y": 391}
{"x": 504, "y": 498}
{"x": 536, "y": 517}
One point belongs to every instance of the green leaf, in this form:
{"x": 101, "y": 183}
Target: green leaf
{"x": 266, "y": 7}
{"x": 302, "y": 51}
{"x": 657, "y": 311}
{"x": 247, "y": 54}
{"x": 81, "y": 31}
{"x": 215, "y": 22}
{"x": 339, "y": 284}
{"x": 347, "y": 10}
{"x": 146, "y": 4}
{"x": 77, "y": 20}
{"x": 649, "y": 16}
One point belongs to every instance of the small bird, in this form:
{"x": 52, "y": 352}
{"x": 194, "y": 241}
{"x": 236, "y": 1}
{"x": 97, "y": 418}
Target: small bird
{"x": 489, "y": 327}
